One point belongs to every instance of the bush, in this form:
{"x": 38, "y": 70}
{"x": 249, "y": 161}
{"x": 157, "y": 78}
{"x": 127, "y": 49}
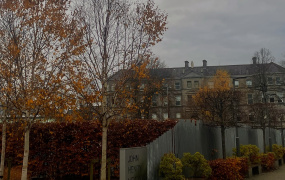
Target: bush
{"x": 226, "y": 169}
{"x": 244, "y": 166}
{"x": 199, "y": 166}
{"x": 170, "y": 167}
{"x": 250, "y": 151}
{"x": 267, "y": 161}
{"x": 278, "y": 151}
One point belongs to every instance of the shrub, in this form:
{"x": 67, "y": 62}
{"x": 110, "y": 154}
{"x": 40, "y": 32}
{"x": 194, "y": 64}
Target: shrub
{"x": 244, "y": 166}
{"x": 199, "y": 166}
{"x": 170, "y": 167}
{"x": 267, "y": 161}
{"x": 250, "y": 151}
{"x": 226, "y": 169}
{"x": 278, "y": 150}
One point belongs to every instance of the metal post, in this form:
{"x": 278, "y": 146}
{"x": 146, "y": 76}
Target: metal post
{"x": 91, "y": 169}
{"x": 237, "y": 136}
{"x": 168, "y": 113}
{"x": 269, "y": 138}
{"x": 282, "y": 133}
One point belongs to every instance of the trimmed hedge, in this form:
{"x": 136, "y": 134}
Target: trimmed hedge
{"x": 227, "y": 169}
{"x": 267, "y": 161}
{"x": 59, "y": 149}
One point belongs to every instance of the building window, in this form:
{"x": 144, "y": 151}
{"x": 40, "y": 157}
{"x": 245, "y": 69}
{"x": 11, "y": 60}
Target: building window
{"x": 263, "y": 99}
{"x": 251, "y": 117}
{"x": 165, "y": 101}
{"x": 113, "y": 87}
{"x": 211, "y": 85}
{"x": 238, "y": 118}
{"x": 178, "y": 100}
{"x": 154, "y": 100}
{"x": 190, "y": 99}
{"x": 165, "y": 115}
{"x": 142, "y": 86}
{"x": 280, "y": 97}
{"x": 196, "y": 84}
{"x": 154, "y": 116}
{"x": 270, "y": 80}
{"x": 271, "y": 99}
{"x": 178, "y": 115}
{"x": 128, "y": 87}
{"x": 248, "y": 83}
{"x": 249, "y": 99}
{"x": 278, "y": 81}
{"x": 236, "y": 83}
{"x": 189, "y": 84}
{"x": 177, "y": 85}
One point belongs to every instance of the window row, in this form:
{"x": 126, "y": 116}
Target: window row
{"x": 189, "y": 85}
{"x": 272, "y": 98}
{"x": 165, "y": 101}
{"x": 165, "y": 116}
{"x": 270, "y": 81}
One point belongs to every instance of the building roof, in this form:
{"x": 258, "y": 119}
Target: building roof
{"x": 204, "y": 71}
{"x": 233, "y": 70}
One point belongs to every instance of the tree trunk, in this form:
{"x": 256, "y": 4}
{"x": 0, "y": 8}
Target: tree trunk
{"x": 3, "y": 148}
{"x": 263, "y": 138}
{"x": 26, "y": 153}
{"x": 104, "y": 149}
{"x": 282, "y": 133}
{"x": 223, "y": 141}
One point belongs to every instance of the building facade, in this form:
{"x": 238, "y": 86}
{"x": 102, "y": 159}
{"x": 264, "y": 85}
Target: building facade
{"x": 181, "y": 83}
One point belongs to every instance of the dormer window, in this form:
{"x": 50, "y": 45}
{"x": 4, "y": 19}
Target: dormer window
{"x": 236, "y": 83}
{"x": 189, "y": 84}
{"x": 196, "y": 84}
{"x": 249, "y": 83}
{"x": 278, "y": 81}
{"x": 269, "y": 80}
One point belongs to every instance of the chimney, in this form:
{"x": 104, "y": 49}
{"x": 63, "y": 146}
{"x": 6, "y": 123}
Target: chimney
{"x": 186, "y": 64}
{"x": 254, "y": 60}
{"x": 192, "y": 64}
{"x": 204, "y": 63}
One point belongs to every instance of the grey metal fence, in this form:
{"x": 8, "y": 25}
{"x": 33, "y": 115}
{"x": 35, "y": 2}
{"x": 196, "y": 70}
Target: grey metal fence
{"x": 191, "y": 136}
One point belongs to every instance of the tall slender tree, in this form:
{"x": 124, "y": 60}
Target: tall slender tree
{"x": 38, "y": 38}
{"x": 119, "y": 33}
{"x": 262, "y": 62}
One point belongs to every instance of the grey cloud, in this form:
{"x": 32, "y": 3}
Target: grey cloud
{"x": 222, "y": 31}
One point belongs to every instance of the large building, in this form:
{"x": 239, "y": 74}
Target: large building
{"x": 181, "y": 83}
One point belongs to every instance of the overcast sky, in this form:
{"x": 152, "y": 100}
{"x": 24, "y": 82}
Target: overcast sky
{"x": 224, "y": 32}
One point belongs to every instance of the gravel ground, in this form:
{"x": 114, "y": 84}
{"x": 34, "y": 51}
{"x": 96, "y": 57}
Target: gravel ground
{"x": 278, "y": 174}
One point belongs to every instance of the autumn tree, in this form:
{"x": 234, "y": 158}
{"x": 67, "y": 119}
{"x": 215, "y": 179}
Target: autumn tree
{"x": 216, "y": 105}
{"x": 279, "y": 123}
{"x": 142, "y": 88}
{"x": 262, "y": 60}
{"x": 5, "y": 104}
{"x": 262, "y": 80}
{"x": 37, "y": 37}
{"x": 263, "y": 115}
{"x": 118, "y": 35}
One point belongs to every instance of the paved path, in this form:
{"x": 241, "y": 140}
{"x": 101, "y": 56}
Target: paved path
{"x": 278, "y": 174}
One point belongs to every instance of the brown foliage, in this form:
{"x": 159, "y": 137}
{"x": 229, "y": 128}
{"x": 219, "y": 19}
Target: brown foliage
{"x": 216, "y": 105}
{"x": 225, "y": 169}
{"x": 58, "y": 149}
